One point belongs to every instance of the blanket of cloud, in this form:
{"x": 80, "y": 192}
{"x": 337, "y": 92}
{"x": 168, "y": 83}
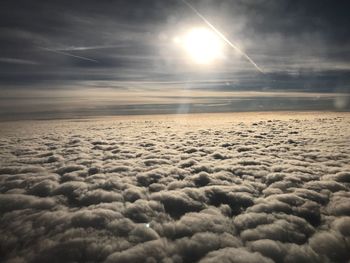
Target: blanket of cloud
{"x": 252, "y": 187}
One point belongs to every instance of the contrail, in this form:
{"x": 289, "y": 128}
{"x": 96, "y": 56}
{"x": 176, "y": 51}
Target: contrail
{"x": 222, "y": 36}
{"x": 80, "y": 48}
{"x": 69, "y": 54}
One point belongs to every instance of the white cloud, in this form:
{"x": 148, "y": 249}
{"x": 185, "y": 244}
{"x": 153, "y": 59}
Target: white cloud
{"x": 208, "y": 188}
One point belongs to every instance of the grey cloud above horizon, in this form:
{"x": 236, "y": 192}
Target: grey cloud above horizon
{"x": 302, "y": 46}
{"x": 113, "y": 33}
{"x": 95, "y": 101}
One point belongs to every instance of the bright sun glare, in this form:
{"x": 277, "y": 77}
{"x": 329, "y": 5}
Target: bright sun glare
{"x": 202, "y": 45}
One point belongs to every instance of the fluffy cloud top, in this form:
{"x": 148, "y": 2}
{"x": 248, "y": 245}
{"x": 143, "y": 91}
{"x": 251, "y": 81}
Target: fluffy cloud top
{"x": 266, "y": 188}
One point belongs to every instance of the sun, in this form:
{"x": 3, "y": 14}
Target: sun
{"x": 202, "y": 45}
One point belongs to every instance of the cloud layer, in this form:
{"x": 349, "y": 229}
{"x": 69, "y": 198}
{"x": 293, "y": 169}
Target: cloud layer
{"x": 206, "y": 188}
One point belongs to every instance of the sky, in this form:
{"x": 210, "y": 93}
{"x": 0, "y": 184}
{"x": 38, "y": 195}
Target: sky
{"x": 76, "y": 58}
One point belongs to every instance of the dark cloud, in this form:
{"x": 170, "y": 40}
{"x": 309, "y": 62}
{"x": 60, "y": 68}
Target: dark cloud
{"x": 128, "y": 45}
{"x": 331, "y": 245}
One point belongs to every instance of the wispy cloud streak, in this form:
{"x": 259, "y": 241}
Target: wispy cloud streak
{"x": 69, "y": 54}
{"x": 81, "y": 48}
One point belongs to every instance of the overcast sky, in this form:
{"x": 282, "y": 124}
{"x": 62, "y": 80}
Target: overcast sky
{"x": 128, "y": 45}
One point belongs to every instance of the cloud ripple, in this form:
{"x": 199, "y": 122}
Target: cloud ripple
{"x": 272, "y": 188}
